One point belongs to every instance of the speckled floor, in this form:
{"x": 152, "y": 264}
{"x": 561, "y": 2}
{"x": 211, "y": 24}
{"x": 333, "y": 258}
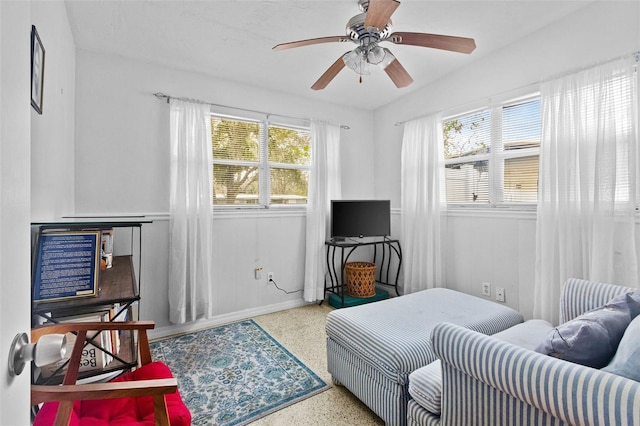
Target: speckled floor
{"x": 302, "y": 332}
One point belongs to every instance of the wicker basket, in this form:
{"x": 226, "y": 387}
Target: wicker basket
{"x": 361, "y": 279}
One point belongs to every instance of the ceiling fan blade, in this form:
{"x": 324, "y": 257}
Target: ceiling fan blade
{"x": 311, "y": 41}
{"x": 398, "y": 74}
{"x": 379, "y": 12}
{"x": 436, "y": 41}
{"x": 329, "y": 74}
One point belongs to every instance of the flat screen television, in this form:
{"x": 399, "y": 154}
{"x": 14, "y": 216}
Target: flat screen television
{"x": 360, "y": 218}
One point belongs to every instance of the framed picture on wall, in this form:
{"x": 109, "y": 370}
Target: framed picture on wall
{"x": 37, "y": 70}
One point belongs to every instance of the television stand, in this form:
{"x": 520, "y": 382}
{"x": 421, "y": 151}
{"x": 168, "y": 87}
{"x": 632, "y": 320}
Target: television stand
{"x": 387, "y": 255}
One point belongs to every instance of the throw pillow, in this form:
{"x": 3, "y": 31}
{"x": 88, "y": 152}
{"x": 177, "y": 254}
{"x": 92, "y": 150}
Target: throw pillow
{"x": 633, "y": 299}
{"x": 592, "y": 338}
{"x": 626, "y": 361}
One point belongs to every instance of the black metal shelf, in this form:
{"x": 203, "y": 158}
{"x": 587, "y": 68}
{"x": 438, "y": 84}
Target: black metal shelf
{"x": 383, "y": 249}
{"x": 118, "y": 293}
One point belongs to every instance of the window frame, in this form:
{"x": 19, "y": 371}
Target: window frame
{"x": 263, "y": 164}
{"x": 496, "y": 152}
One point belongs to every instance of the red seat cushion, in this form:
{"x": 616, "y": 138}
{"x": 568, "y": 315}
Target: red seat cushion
{"x": 135, "y": 411}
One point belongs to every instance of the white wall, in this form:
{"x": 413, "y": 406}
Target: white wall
{"x": 122, "y": 167}
{"x": 53, "y": 132}
{"x": 498, "y": 247}
{"x": 15, "y": 109}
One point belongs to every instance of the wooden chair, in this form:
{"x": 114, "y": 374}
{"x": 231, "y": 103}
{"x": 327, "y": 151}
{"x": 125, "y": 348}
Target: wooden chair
{"x": 156, "y": 395}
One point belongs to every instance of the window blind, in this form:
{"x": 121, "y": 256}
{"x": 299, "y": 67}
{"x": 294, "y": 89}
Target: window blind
{"x": 259, "y": 163}
{"x": 491, "y": 155}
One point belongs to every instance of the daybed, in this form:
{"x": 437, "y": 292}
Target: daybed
{"x": 489, "y": 381}
{"x": 372, "y": 348}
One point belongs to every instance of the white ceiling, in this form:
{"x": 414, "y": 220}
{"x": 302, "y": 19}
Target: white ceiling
{"x": 233, "y": 39}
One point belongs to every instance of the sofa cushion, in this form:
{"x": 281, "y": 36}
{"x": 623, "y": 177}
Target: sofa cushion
{"x": 526, "y": 335}
{"x": 425, "y": 384}
{"x": 592, "y": 338}
{"x": 626, "y": 361}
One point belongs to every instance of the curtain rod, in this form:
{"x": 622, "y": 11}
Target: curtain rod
{"x": 635, "y": 55}
{"x": 161, "y": 95}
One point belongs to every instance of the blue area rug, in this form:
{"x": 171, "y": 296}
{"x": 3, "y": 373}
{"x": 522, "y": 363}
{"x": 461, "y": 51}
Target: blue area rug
{"x": 236, "y": 373}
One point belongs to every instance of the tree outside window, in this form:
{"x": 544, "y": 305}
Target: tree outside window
{"x": 255, "y": 163}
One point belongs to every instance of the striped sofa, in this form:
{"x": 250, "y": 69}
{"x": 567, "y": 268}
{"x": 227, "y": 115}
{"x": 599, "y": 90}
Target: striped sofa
{"x": 372, "y": 348}
{"x": 486, "y": 381}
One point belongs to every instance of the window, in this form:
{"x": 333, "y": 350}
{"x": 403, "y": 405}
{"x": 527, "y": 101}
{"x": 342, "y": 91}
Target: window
{"x": 258, "y": 163}
{"x": 491, "y": 155}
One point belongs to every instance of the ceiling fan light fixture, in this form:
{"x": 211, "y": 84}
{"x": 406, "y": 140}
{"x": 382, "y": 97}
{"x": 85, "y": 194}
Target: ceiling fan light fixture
{"x": 376, "y": 55}
{"x": 388, "y": 58}
{"x": 357, "y": 61}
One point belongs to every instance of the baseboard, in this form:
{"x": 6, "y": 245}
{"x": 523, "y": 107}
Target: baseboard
{"x": 172, "y": 330}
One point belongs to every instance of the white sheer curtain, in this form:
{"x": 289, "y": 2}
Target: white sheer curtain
{"x": 588, "y": 182}
{"x": 423, "y": 200}
{"x": 190, "y": 238}
{"x": 324, "y": 185}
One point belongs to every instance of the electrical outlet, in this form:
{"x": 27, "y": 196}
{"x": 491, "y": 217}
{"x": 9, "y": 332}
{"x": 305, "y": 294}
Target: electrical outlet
{"x": 269, "y": 277}
{"x": 500, "y": 294}
{"x": 486, "y": 289}
{"x": 258, "y": 272}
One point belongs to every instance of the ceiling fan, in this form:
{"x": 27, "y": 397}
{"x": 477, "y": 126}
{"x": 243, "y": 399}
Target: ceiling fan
{"x": 370, "y": 28}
